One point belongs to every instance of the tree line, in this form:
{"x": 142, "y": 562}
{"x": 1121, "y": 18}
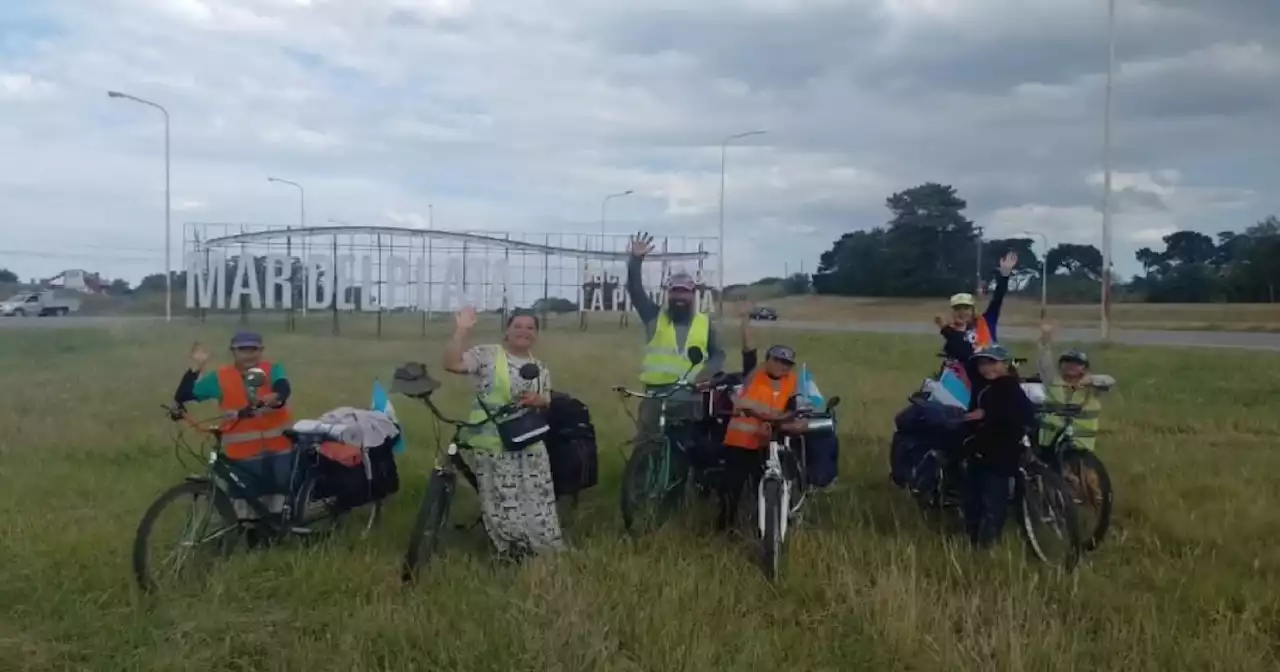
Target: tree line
{"x": 928, "y": 248}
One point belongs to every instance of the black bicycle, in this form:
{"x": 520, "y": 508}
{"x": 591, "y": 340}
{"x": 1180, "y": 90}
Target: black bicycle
{"x": 210, "y": 526}
{"x": 1084, "y": 473}
{"x": 413, "y": 381}
{"x": 1044, "y": 502}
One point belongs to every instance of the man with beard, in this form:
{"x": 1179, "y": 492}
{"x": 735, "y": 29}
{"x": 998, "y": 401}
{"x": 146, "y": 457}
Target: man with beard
{"x": 669, "y": 331}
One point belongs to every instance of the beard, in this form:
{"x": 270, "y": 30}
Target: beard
{"x": 679, "y": 309}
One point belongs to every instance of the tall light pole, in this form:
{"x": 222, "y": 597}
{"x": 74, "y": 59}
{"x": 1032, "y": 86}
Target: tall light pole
{"x": 603, "y": 203}
{"x": 1106, "y": 172}
{"x": 302, "y": 223}
{"x": 724, "y": 150}
{"x": 978, "y": 285}
{"x": 168, "y": 265}
{"x": 1044, "y": 272}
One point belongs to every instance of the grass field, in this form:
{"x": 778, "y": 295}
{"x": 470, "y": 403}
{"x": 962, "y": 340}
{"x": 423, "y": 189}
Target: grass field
{"x": 1188, "y": 581}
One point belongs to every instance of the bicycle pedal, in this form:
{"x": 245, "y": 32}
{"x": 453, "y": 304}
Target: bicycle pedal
{"x": 301, "y": 530}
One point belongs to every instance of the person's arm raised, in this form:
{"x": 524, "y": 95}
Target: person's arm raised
{"x": 641, "y": 246}
{"x": 454, "y": 352}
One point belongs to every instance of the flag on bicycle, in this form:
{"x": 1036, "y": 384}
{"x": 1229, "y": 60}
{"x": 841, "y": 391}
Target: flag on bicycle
{"x": 809, "y": 388}
{"x": 382, "y": 403}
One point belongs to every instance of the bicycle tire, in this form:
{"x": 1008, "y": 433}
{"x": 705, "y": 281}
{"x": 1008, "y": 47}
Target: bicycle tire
{"x": 1073, "y": 463}
{"x": 1044, "y": 486}
{"x": 771, "y": 540}
{"x": 429, "y": 524}
{"x": 301, "y": 506}
{"x": 638, "y": 484}
{"x": 141, "y": 564}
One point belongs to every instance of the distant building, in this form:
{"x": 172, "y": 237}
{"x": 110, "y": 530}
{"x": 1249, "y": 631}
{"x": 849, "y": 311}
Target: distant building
{"x": 78, "y": 280}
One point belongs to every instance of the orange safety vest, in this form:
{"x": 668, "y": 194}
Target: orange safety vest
{"x": 244, "y": 438}
{"x": 761, "y": 393}
{"x": 981, "y": 334}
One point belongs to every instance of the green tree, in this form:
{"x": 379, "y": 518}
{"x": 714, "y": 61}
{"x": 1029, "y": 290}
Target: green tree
{"x": 8, "y": 277}
{"x": 928, "y": 248}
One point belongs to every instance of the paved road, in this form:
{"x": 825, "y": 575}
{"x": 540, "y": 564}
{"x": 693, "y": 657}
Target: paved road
{"x": 1204, "y": 339}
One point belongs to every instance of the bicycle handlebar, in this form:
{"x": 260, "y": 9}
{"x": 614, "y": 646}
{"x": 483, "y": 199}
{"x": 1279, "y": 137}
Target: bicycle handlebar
{"x": 668, "y": 391}
{"x": 504, "y": 409}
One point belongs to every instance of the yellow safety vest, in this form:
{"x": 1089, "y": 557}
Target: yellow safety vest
{"x": 485, "y": 438}
{"x": 664, "y": 361}
{"x": 1085, "y": 427}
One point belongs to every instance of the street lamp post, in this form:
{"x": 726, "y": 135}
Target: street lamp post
{"x": 724, "y": 150}
{"x": 977, "y": 288}
{"x": 302, "y": 223}
{"x": 603, "y": 203}
{"x": 168, "y": 266}
{"x": 1044, "y": 273}
{"x": 1106, "y": 172}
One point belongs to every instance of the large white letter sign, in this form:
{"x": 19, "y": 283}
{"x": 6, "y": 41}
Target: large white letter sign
{"x": 452, "y": 297}
{"x": 367, "y": 302}
{"x": 346, "y": 264}
{"x": 319, "y": 282}
{"x": 278, "y": 271}
{"x": 209, "y": 271}
{"x": 246, "y": 282}
{"x": 399, "y": 277}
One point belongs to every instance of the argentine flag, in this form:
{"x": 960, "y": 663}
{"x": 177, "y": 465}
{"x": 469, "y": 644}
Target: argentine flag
{"x": 382, "y": 403}
{"x": 951, "y": 388}
{"x": 809, "y": 388}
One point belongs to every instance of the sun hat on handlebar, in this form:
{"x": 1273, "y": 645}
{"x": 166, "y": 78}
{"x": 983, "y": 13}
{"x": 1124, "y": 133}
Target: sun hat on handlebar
{"x": 413, "y": 380}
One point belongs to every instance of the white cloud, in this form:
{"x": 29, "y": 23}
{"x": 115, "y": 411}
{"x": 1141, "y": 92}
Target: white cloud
{"x": 521, "y": 116}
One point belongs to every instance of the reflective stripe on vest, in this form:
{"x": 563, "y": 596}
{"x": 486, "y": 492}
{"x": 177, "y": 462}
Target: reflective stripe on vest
{"x": 759, "y": 392}
{"x": 664, "y": 360}
{"x": 1085, "y": 427}
{"x": 244, "y": 438}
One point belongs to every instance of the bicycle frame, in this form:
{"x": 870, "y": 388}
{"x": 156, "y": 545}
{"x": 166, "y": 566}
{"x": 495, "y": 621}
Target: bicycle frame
{"x": 224, "y": 475}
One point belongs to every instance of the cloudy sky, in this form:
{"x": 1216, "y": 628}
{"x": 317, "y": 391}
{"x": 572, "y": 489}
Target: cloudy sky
{"x": 521, "y": 115}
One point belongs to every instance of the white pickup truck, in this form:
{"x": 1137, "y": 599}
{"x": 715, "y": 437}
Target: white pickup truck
{"x": 37, "y": 304}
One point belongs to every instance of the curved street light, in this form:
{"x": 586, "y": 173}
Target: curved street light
{"x": 724, "y": 149}
{"x": 168, "y": 209}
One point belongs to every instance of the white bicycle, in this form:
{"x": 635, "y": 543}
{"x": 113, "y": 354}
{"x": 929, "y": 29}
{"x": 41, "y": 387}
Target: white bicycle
{"x": 784, "y": 485}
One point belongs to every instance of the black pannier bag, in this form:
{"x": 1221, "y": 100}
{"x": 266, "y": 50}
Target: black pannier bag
{"x": 922, "y": 427}
{"x": 374, "y": 479}
{"x": 571, "y": 445}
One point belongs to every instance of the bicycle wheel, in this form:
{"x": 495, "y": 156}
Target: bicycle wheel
{"x": 1090, "y": 485}
{"x": 208, "y": 530}
{"x": 652, "y": 486}
{"x": 316, "y": 516}
{"x": 771, "y": 539}
{"x": 428, "y": 527}
{"x": 1049, "y": 518}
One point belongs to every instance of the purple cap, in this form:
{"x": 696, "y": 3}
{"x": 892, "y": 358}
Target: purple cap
{"x": 246, "y": 339}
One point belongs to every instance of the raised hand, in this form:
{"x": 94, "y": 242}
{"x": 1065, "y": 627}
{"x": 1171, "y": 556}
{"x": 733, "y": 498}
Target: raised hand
{"x": 466, "y": 318}
{"x": 1008, "y": 263}
{"x": 940, "y": 321}
{"x": 199, "y": 356}
{"x": 641, "y": 245}
{"x": 1046, "y": 332}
